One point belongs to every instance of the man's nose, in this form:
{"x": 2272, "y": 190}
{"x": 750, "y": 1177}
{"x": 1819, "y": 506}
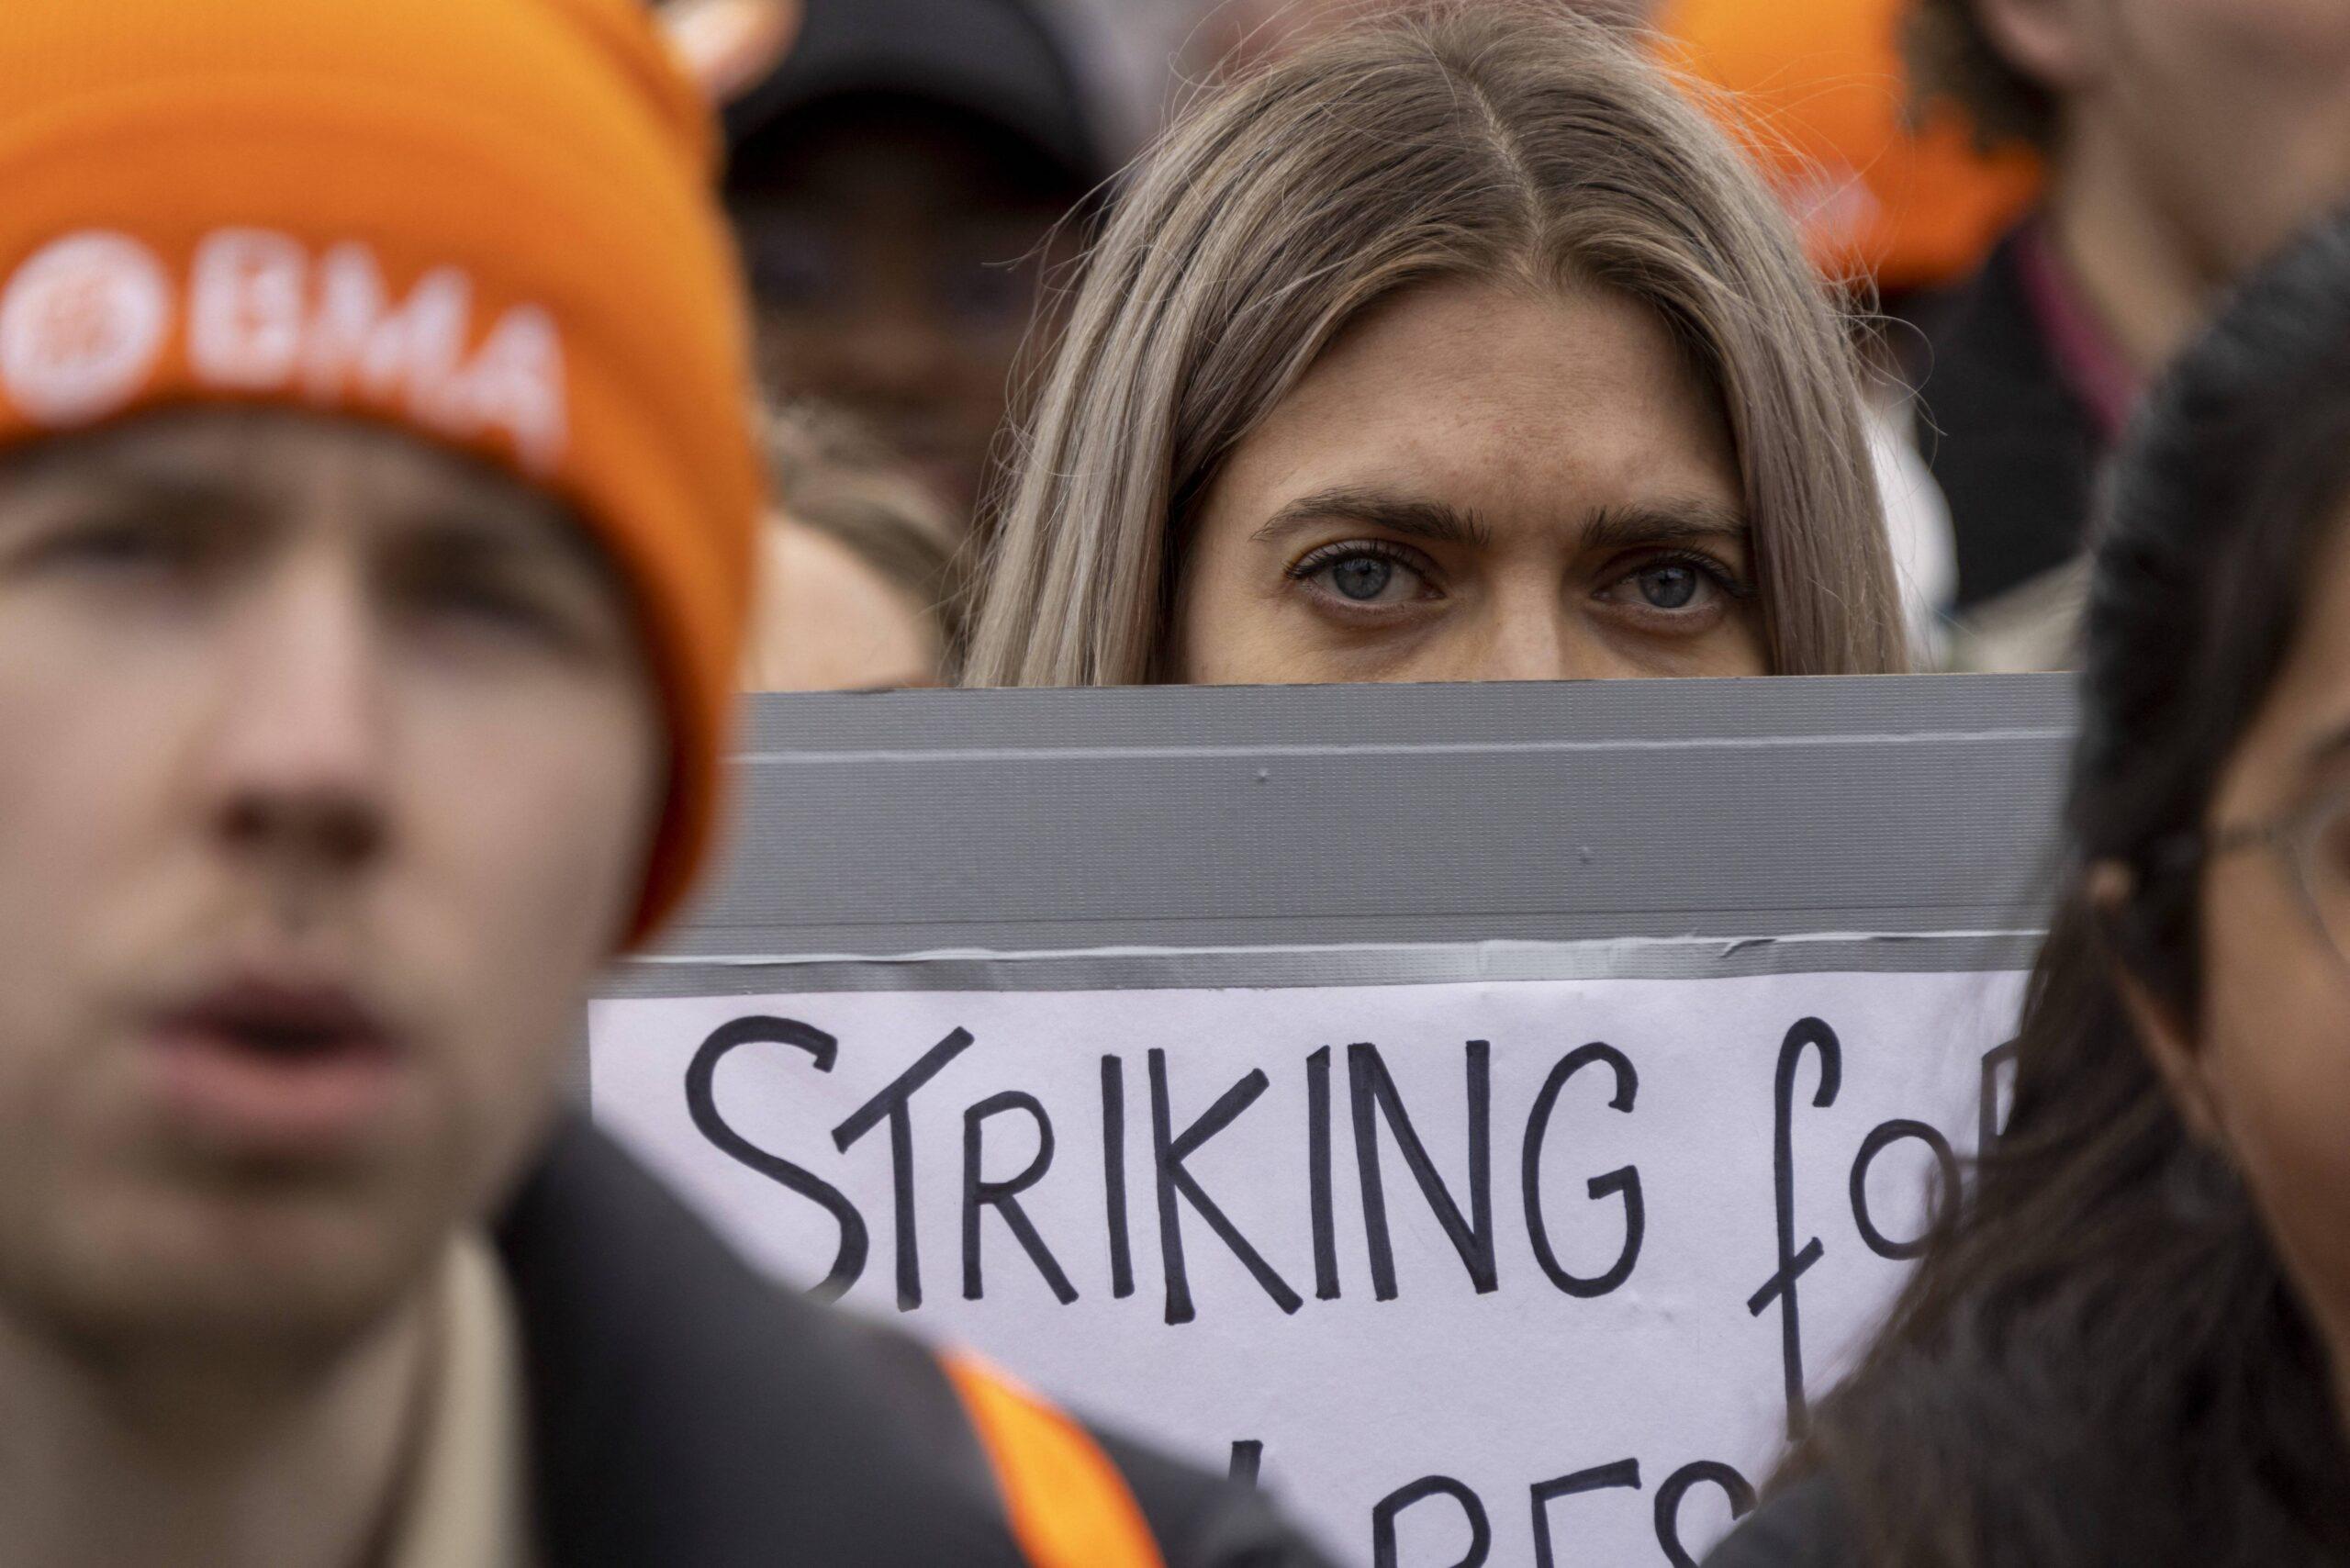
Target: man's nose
{"x": 295, "y": 759}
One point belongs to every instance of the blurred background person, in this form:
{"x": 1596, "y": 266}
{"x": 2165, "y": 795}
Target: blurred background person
{"x": 2183, "y": 139}
{"x": 856, "y": 572}
{"x": 896, "y": 178}
{"x": 859, "y": 571}
{"x": 2132, "y": 1345}
{"x": 1553, "y": 393}
{"x": 2173, "y": 139}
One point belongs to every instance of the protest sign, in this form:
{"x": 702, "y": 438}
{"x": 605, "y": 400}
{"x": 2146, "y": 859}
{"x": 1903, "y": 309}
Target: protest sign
{"x": 1493, "y": 1140}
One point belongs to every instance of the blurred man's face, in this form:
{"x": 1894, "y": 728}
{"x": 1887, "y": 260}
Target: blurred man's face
{"x": 895, "y": 257}
{"x": 2237, "y": 112}
{"x": 330, "y": 769}
{"x": 2246, "y": 104}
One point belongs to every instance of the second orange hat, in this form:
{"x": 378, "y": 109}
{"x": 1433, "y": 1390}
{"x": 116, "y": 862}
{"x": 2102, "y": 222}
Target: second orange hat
{"x": 1819, "y": 96}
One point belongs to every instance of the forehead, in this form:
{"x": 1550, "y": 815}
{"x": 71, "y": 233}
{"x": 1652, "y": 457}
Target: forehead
{"x": 280, "y": 463}
{"x": 1513, "y": 401}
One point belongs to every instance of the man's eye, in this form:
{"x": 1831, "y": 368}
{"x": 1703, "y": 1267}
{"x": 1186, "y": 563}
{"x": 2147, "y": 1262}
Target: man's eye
{"x": 118, "y": 547}
{"x": 479, "y": 604}
{"x": 138, "y": 552}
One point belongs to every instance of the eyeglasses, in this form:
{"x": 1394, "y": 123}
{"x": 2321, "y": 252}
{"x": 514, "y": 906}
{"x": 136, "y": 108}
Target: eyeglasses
{"x": 2313, "y": 841}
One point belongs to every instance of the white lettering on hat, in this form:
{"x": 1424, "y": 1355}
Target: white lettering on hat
{"x": 515, "y": 385}
{"x": 246, "y": 302}
{"x": 82, "y": 324}
{"x": 84, "y": 321}
{"x": 358, "y": 341}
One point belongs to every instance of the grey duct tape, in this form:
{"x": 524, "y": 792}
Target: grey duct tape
{"x": 1261, "y": 968}
{"x": 1279, "y": 837}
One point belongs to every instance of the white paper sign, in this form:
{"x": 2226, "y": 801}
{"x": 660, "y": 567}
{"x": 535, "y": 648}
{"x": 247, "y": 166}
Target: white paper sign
{"x": 1512, "y": 1273}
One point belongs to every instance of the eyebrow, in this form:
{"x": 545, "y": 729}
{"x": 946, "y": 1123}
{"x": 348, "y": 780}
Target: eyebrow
{"x": 1690, "y": 522}
{"x": 481, "y": 531}
{"x": 447, "y": 519}
{"x": 554, "y": 547}
{"x": 1666, "y": 522}
{"x": 133, "y": 485}
{"x": 1414, "y": 516}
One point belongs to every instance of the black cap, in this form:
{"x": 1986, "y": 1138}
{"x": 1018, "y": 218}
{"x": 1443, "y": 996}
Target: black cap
{"x": 998, "y": 59}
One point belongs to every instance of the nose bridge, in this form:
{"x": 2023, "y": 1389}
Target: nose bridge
{"x": 300, "y": 716}
{"x": 1534, "y": 637}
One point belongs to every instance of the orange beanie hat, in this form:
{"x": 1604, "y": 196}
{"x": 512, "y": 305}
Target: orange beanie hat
{"x": 1824, "y": 84}
{"x": 489, "y": 221}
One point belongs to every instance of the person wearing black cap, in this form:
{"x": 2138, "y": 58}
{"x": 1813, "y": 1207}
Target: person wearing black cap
{"x": 896, "y": 183}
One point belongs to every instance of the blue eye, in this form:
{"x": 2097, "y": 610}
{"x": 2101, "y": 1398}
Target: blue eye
{"x": 1669, "y": 587}
{"x": 1371, "y": 573}
{"x": 1361, "y": 578}
{"x": 1681, "y": 586}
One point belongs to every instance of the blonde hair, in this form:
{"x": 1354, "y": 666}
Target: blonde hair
{"x": 1478, "y": 139}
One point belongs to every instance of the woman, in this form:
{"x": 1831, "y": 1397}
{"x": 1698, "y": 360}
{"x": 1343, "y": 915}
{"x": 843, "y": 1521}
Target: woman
{"x": 2133, "y": 1343}
{"x": 1456, "y": 347}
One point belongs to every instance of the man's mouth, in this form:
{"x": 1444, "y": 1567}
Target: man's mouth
{"x": 268, "y": 1066}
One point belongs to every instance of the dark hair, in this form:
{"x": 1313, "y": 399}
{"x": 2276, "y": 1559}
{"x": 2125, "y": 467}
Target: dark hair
{"x": 1951, "y": 59}
{"x": 2100, "y": 1360}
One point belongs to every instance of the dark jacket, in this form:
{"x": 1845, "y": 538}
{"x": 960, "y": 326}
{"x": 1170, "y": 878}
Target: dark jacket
{"x": 2015, "y": 450}
{"x": 686, "y": 1413}
{"x": 1803, "y": 1526}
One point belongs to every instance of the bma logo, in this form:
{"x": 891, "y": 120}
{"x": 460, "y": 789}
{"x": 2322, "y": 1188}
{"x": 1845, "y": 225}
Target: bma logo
{"x": 84, "y": 323}
{"x": 81, "y": 326}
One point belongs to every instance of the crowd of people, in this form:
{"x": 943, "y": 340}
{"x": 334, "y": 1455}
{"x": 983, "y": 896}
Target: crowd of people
{"x": 386, "y": 533}
{"x": 2025, "y": 210}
